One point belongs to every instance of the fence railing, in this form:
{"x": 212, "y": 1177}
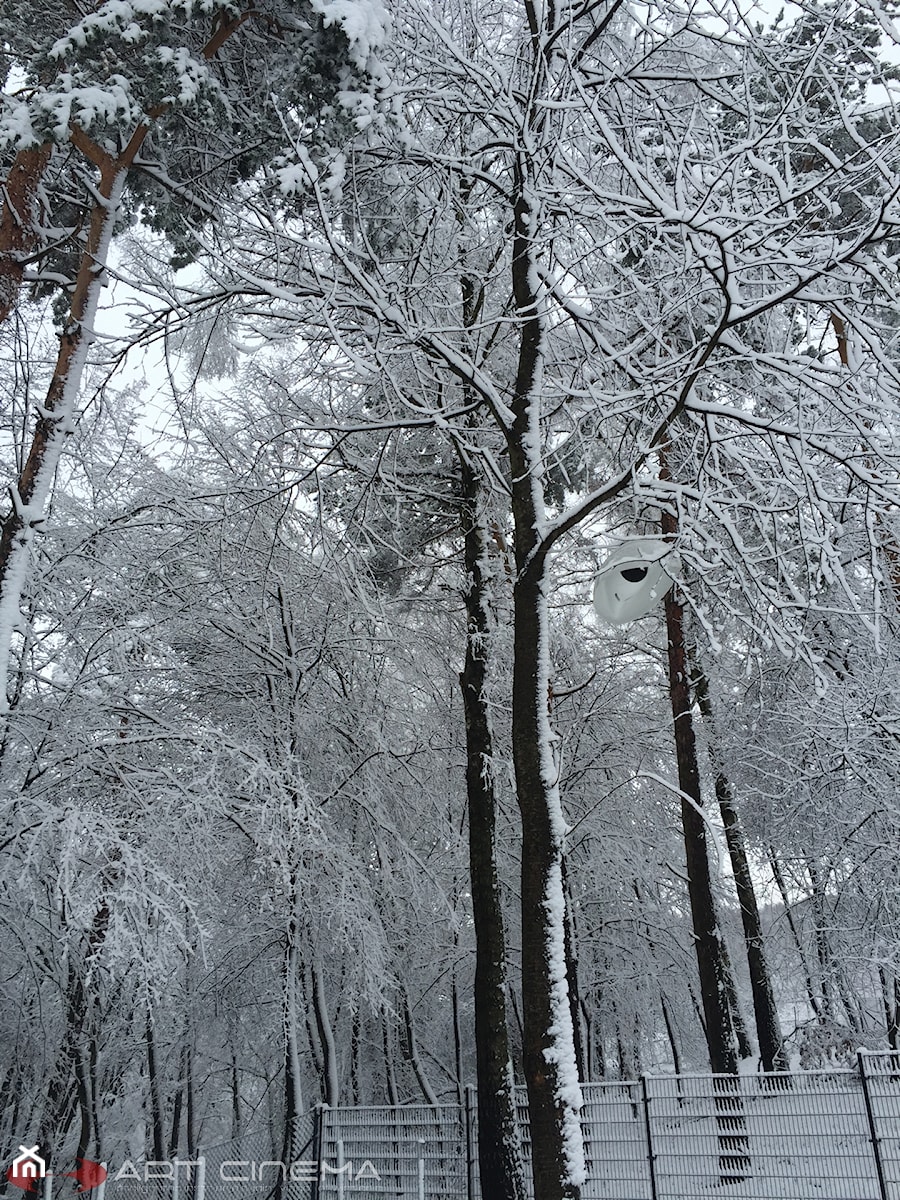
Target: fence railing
{"x": 833, "y": 1135}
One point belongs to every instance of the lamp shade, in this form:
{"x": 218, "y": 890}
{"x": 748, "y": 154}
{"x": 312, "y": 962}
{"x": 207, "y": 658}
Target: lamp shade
{"x": 632, "y": 580}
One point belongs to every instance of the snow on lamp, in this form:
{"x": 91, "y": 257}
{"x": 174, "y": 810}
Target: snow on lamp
{"x": 632, "y": 580}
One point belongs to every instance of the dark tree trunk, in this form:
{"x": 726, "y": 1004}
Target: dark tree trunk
{"x": 71, "y": 1090}
{"x": 823, "y": 949}
{"x": 191, "y": 1113}
{"x": 236, "y": 1124}
{"x": 548, "y": 1041}
{"x": 890, "y": 994}
{"x": 329, "y": 1070}
{"x": 714, "y": 986}
{"x": 390, "y": 1075}
{"x": 670, "y": 1034}
{"x": 355, "y": 1048}
{"x": 457, "y": 1043}
{"x": 177, "y": 1106}
{"x": 292, "y": 1150}
{"x": 56, "y": 415}
{"x": 156, "y": 1108}
{"x": 768, "y": 1027}
{"x": 499, "y": 1152}
{"x": 575, "y": 1005}
{"x": 551, "y": 1075}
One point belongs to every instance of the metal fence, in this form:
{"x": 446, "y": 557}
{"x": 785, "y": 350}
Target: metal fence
{"x": 832, "y": 1135}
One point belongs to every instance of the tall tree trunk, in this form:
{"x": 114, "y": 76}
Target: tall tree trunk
{"x": 457, "y": 1038}
{"x": 717, "y": 990}
{"x": 156, "y": 1107}
{"x": 670, "y": 1034}
{"x": 714, "y": 986}
{"x": 177, "y": 1106}
{"x": 575, "y": 1004}
{"x": 820, "y": 934}
{"x": 191, "y": 1129}
{"x": 355, "y": 1049}
{"x": 499, "y": 1150}
{"x": 293, "y": 1084}
{"x": 551, "y": 1073}
{"x": 236, "y": 1123}
{"x": 59, "y": 1109}
{"x": 30, "y": 492}
{"x": 390, "y": 1075}
{"x": 57, "y": 414}
{"x": 768, "y": 1026}
{"x": 72, "y": 1089}
{"x": 331, "y": 1082}
{"x": 890, "y": 996}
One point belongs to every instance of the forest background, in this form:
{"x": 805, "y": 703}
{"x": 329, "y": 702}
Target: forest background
{"x": 319, "y": 778}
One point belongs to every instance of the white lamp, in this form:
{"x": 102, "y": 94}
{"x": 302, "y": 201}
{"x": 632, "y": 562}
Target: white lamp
{"x": 633, "y": 579}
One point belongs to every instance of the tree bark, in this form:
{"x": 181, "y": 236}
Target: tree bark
{"x": 177, "y": 1106}
{"x": 551, "y": 1074}
{"x": 355, "y": 1048}
{"x": 720, "y": 1032}
{"x": 670, "y": 1034}
{"x": 390, "y": 1076}
{"x": 331, "y": 1083}
{"x": 18, "y": 215}
{"x": 56, "y": 420}
{"x": 768, "y": 1026}
{"x": 191, "y": 1113}
{"x": 890, "y": 995}
{"x": 156, "y": 1108}
{"x": 293, "y": 1085}
{"x": 499, "y": 1150}
{"x": 575, "y": 1004}
{"x": 716, "y": 984}
{"x": 236, "y": 1124}
{"x": 823, "y": 949}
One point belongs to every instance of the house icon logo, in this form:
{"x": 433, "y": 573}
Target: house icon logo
{"x": 27, "y": 1168}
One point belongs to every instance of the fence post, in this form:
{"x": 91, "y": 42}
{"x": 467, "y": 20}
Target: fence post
{"x": 470, "y": 1141}
{"x": 651, "y": 1153}
{"x": 319, "y": 1117}
{"x": 876, "y": 1143}
{"x": 340, "y": 1168}
{"x": 421, "y": 1165}
{"x": 199, "y": 1179}
{"x": 101, "y": 1186}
